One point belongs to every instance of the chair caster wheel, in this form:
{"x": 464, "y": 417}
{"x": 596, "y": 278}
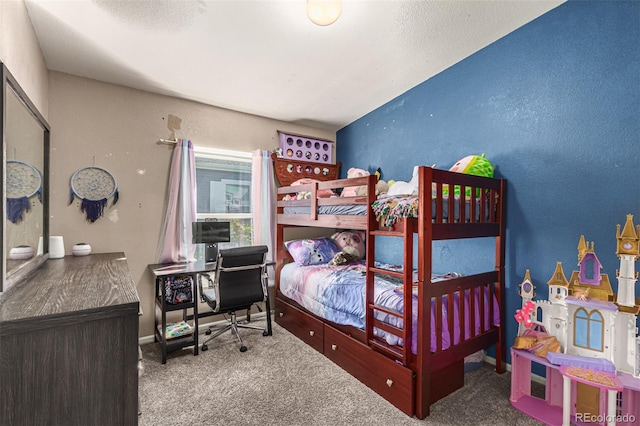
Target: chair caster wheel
{"x": 243, "y": 348}
{"x": 208, "y": 332}
{"x": 204, "y": 348}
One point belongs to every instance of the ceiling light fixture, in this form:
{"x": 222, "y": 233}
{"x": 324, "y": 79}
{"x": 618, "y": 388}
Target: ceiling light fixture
{"x": 324, "y": 12}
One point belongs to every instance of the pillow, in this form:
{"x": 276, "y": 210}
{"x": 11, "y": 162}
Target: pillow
{"x": 315, "y": 251}
{"x": 322, "y": 193}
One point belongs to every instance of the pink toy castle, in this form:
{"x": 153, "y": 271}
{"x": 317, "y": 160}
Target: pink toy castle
{"x": 595, "y": 378}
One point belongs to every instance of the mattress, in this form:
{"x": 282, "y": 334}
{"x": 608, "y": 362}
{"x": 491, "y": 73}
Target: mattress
{"x": 388, "y": 209}
{"x": 348, "y": 209}
{"x": 337, "y": 294}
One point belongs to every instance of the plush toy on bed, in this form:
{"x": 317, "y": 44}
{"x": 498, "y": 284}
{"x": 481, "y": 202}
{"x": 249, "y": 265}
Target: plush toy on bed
{"x": 304, "y": 195}
{"x": 405, "y": 188}
{"x": 351, "y": 245}
{"x": 381, "y": 186}
{"x": 476, "y": 165}
{"x": 352, "y": 191}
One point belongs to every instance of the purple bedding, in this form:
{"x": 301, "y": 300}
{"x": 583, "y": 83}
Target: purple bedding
{"x": 337, "y": 293}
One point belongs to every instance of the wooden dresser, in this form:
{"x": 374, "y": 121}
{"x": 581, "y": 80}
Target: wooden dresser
{"x": 69, "y": 344}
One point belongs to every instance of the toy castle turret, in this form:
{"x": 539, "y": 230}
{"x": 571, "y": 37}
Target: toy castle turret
{"x": 527, "y": 292}
{"x": 558, "y": 286}
{"x": 628, "y": 251}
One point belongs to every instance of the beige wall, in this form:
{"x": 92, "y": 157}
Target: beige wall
{"x": 20, "y": 52}
{"x": 117, "y": 128}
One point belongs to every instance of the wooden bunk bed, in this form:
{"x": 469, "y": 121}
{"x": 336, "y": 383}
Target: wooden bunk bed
{"x": 410, "y": 379}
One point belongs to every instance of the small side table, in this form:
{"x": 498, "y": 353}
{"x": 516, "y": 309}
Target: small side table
{"x": 161, "y": 273}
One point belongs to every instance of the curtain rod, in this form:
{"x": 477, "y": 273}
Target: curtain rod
{"x": 168, "y": 141}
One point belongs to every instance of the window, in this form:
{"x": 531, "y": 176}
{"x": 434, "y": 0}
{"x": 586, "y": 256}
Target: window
{"x": 589, "y": 270}
{"x": 539, "y": 315}
{"x": 223, "y": 180}
{"x": 589, "y": 330}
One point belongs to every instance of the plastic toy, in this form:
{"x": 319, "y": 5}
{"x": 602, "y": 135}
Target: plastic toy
{"x": 595, "y": 378}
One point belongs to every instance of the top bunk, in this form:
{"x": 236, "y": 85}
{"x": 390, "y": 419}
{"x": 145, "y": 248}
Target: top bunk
{"x": 318, "y": 200}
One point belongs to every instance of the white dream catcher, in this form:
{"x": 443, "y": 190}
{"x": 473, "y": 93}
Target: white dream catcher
{"x": 23, "y": 182}
{"x": 94, "y": 186}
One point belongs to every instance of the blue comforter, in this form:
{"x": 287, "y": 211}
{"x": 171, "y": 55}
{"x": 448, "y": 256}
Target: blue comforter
{"x": 337, "y": 293}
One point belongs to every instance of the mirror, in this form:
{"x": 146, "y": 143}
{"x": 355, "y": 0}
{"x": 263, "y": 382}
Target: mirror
{"x": 25, "y": 165}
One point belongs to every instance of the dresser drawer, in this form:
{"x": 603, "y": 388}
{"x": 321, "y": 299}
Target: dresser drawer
{"x": 387, "y": 378}
{"x": 304, "y": 326}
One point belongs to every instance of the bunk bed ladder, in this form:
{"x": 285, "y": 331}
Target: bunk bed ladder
{"x": 404, "y": 230}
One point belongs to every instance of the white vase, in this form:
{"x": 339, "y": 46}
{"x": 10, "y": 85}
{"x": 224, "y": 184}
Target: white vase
{"x": 56, "y": 247}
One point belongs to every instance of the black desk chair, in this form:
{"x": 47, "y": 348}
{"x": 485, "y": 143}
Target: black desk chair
{"x": 240, "y": 281}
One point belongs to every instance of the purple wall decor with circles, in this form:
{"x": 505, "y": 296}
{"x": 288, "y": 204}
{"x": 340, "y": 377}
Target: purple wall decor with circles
{"x": 297, "y": 147}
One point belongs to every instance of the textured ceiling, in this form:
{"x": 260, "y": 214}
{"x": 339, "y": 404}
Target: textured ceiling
{"x": 266, "y": 57}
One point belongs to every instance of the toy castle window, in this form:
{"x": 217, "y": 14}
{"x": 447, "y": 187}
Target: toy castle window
{"x": 590, "y": 269}
{"x": 589, "y": 273}
{"x": 539, "y": 315}
{"x": 588, "y": 330}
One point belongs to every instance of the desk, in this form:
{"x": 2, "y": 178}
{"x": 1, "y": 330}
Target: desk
{"x": 161, "y": 272}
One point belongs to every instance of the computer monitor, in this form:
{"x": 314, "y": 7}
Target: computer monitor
{"x": 210, "y": 234}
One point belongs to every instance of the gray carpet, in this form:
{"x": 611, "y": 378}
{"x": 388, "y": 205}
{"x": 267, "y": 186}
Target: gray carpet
{"x": 282, "y": 381}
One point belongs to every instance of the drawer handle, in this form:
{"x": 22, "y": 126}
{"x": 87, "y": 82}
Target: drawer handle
{"x": 389, "y": 382}
{"x": 334, "y": 347}
{"x": 281, "y": 314}
{"x": 311, "y": 333}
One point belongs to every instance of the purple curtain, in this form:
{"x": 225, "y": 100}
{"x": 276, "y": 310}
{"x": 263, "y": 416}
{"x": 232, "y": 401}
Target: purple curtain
{"x": 263, "y": 200}
{"x": 175, "y": 242}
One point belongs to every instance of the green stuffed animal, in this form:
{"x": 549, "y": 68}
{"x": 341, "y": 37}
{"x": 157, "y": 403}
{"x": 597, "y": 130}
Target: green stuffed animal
{"x": 477, "y": 165}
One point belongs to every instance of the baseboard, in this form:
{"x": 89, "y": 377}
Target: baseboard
{"x": 534, "y": 377}
{"x": 202, "y": 327}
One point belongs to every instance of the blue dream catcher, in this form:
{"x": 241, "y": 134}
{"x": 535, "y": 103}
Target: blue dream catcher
{"x": 94, "y": 186}
{"x": 23, "y": 182}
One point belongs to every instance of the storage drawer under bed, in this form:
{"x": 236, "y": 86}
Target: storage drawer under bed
{"x": 389, "y": 379}
{"x": 302, "y": 325}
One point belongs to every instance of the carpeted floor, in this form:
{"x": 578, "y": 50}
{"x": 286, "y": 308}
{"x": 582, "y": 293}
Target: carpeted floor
{"x": 282, "y": 381}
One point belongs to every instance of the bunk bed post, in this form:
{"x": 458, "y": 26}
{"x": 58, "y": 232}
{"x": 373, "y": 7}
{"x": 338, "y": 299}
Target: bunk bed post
{"x": 500, "y": 267}
{"x": 408, "y": 230}
{"x": 370, "y": 250}
{"x": 423, "y": 366}
{"x": 279, "y": 257}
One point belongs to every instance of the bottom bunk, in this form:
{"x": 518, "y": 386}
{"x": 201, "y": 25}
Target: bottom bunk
{"x": 323, "y": 305}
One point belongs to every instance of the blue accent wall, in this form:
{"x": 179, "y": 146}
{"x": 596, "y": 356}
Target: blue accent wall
{"x": 555, "y": 106}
